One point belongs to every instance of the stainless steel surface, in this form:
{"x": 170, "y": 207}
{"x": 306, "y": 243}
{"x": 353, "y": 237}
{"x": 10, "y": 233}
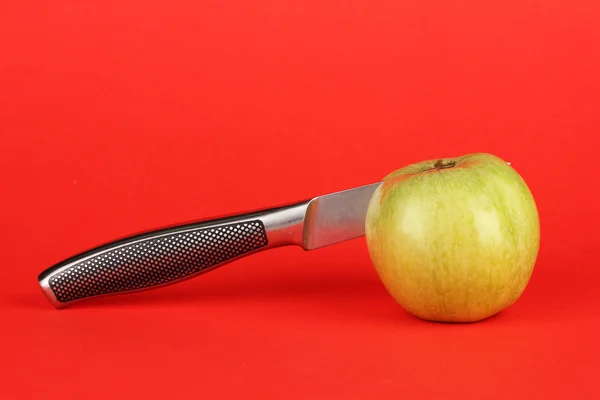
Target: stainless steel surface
{"x": 337, "y": 217}
{"x": 310, "y": 224}
{"x": 283, "y": 226}
{"x": 48, "y": 292}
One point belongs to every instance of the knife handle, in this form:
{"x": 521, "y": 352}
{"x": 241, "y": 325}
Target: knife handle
{"x": 166, "y": 256}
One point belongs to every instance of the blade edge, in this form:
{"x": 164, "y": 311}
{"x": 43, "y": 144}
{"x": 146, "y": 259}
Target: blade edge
{"x": 337, "y": 217}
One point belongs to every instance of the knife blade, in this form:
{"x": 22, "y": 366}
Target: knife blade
{"x": 167, "y": 256}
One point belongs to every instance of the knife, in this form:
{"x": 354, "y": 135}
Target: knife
{"x": 167, "y": 256}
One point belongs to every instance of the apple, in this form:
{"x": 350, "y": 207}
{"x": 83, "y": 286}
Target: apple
{"x": 454, "y": 239}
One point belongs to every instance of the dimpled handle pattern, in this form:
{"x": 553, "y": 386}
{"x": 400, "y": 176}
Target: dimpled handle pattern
{"x": 156, "y": 261}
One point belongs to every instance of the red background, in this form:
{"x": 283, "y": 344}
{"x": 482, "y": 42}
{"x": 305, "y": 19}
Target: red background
{"x": 123, "y": 116}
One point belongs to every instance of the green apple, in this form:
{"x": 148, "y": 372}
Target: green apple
{"x": 454, "y": 239}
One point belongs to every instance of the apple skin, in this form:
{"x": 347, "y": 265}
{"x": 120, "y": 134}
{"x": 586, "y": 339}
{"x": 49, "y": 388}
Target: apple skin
{"x": 454, "y": 239}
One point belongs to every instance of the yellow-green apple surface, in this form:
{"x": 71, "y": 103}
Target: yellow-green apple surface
{"x": 454, "y": 239}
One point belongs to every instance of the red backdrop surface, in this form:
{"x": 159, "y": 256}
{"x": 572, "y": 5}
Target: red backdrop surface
{"x": 122, "y": 116}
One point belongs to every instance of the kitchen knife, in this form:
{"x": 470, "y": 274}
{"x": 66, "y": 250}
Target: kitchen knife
{"x": 170, "y": 255}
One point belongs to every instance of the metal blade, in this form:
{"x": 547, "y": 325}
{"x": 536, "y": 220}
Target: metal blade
{"x": 337, "y": 217}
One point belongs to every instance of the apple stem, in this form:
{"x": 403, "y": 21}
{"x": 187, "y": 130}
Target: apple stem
{"x": 439, "y": 164}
